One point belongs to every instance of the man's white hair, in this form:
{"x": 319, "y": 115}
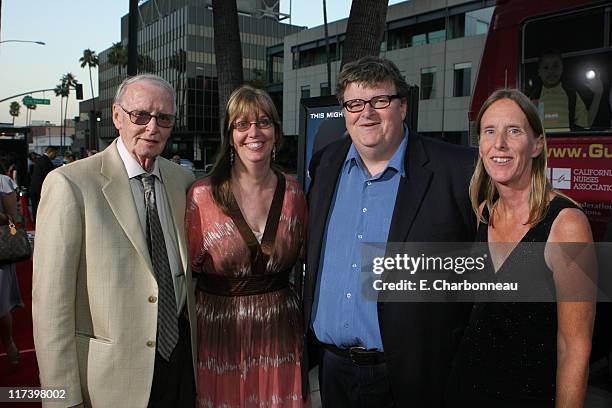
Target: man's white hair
{"x": 151, "y": 78}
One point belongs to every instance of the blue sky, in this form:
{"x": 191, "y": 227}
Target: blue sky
{"x": 70, "y": 26}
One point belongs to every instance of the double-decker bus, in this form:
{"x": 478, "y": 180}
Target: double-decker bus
{"x": 559, "y": 52}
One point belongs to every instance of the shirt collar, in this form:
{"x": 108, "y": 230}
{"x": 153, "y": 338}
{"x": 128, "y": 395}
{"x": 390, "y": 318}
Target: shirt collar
{"x": 133, "y": 168}
{"x": 396, "y": 163}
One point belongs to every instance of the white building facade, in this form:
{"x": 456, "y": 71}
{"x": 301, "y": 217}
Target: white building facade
{"x": 437, "y": 45}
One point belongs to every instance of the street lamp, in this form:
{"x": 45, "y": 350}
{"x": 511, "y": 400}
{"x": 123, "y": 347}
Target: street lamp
{"x": 23, "y": 41}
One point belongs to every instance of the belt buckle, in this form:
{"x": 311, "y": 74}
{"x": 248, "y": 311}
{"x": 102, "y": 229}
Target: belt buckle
{"x": 353, "y": 351}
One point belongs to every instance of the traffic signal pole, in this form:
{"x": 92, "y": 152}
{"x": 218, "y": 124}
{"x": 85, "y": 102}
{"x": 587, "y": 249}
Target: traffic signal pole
{"x": 26, "y": 93}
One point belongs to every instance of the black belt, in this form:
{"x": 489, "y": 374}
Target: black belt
{"x": 244, "y": 285}
{"x": 358, "y": 355}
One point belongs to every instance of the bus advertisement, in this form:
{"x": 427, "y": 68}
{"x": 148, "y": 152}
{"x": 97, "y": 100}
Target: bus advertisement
{"x": 581, "y": 167}
{"x": 559, "y": 52}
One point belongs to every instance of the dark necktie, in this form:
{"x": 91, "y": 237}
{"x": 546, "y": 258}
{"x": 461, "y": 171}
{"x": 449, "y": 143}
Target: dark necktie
{"x": 167, "y": 322}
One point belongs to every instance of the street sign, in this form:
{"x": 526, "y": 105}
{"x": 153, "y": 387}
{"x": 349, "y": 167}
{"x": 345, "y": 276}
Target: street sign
{"x": 28, "y": 100}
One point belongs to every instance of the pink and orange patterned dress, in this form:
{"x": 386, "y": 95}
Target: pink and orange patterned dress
{"x": 249, "y": 342}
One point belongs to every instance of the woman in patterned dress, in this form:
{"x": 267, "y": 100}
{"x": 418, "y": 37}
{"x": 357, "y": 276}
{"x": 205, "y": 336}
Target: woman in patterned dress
{"x": 246, "y": 226}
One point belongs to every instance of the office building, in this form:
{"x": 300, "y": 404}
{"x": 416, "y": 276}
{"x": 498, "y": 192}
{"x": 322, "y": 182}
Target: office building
{"x": 437, "y": 45}
{"x": 175, "y": 41}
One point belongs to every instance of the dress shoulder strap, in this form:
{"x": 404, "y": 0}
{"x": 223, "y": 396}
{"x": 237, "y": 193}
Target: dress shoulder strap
{"x": 556, "y": 205}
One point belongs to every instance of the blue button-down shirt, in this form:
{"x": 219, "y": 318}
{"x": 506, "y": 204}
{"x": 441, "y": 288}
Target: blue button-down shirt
{"x": 360, "y": 212}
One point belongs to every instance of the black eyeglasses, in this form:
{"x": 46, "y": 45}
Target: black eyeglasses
{"x": 377, "y": 102}
{"x": 164, "y": 120}
{"x": 244, "y": 125}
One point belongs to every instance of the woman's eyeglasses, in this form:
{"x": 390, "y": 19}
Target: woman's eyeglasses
{"x": 243, "y": 125}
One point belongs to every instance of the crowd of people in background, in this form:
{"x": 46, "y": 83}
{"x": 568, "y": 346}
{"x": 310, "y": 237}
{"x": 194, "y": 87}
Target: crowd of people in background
{"x": 38, "y": 167}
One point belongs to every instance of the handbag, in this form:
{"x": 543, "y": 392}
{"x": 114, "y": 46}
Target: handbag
{"x": 14, "y": 243}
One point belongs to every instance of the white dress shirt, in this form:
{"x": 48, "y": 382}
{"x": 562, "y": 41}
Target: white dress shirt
{"x": 165, "y": 216}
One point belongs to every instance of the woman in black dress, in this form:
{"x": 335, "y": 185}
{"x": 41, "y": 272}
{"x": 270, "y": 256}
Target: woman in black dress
{"x": 522, "y": 354}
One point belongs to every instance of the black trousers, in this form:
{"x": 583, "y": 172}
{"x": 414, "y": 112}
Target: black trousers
{"x": 34, "y": 200}
{"x": 345, "y": 384}
{"x": 173, "y": 380}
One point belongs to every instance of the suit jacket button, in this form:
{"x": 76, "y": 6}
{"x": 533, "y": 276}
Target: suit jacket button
{"x": 152, "y": 299}
{"x": 150, "y": 343}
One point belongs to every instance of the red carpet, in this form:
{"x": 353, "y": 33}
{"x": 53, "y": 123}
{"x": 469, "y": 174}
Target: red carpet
{"x": 26, "y": 373}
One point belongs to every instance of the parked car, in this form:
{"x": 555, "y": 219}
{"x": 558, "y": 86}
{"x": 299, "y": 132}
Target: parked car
{"x": 188, "y": 164}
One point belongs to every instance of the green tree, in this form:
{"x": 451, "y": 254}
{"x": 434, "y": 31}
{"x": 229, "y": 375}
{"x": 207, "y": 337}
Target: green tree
{"x": 117, "y": 56}
{"x": 61, "y": 91}
{"x": 90, "y": 58}
{"x": 68, "y": 81}
{"x": 14, "y": 110}
{"x": 364, "y": 29}
{"x": 228, "y": 51}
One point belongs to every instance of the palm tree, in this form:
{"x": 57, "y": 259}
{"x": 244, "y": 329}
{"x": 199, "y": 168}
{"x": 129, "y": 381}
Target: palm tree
{"x": 118, "y": 56}
{"x": 61, "y": 91}
{"x": 14, "y": 110}
{"x": 68, "y": 81}
{"x": 364, "y": 29}
{"x": 228, "y": 50}
{"x": 90, "y": 58}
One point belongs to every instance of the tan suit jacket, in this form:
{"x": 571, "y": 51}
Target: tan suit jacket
{"x": 94, "y": 290}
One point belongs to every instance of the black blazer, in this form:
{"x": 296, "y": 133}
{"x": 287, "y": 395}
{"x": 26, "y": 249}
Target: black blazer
{"x": 432, "y": 205}
{"x": 41, "y": 168}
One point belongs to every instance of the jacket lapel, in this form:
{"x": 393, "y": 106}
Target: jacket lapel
{"x": 176, "y": 195}
{"x": 411, "y": 190}
{"x": 118, "y": 193}
{"x": 320, "y": 198}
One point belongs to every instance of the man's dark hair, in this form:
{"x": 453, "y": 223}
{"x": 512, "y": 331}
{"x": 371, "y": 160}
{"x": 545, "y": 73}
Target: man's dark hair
{"x": 371, "y": 71}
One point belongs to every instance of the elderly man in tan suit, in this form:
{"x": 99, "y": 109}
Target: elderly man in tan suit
{"x": 112, "y": 290}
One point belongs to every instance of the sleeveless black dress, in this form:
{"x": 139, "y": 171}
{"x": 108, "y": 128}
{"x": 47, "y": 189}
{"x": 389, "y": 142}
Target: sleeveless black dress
{"x": 508, "y": 355}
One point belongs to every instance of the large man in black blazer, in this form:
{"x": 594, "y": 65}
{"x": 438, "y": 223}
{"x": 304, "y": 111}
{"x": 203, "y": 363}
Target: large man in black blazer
{"x": 385, "y": 354}
{"x": 41, "y": 168}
